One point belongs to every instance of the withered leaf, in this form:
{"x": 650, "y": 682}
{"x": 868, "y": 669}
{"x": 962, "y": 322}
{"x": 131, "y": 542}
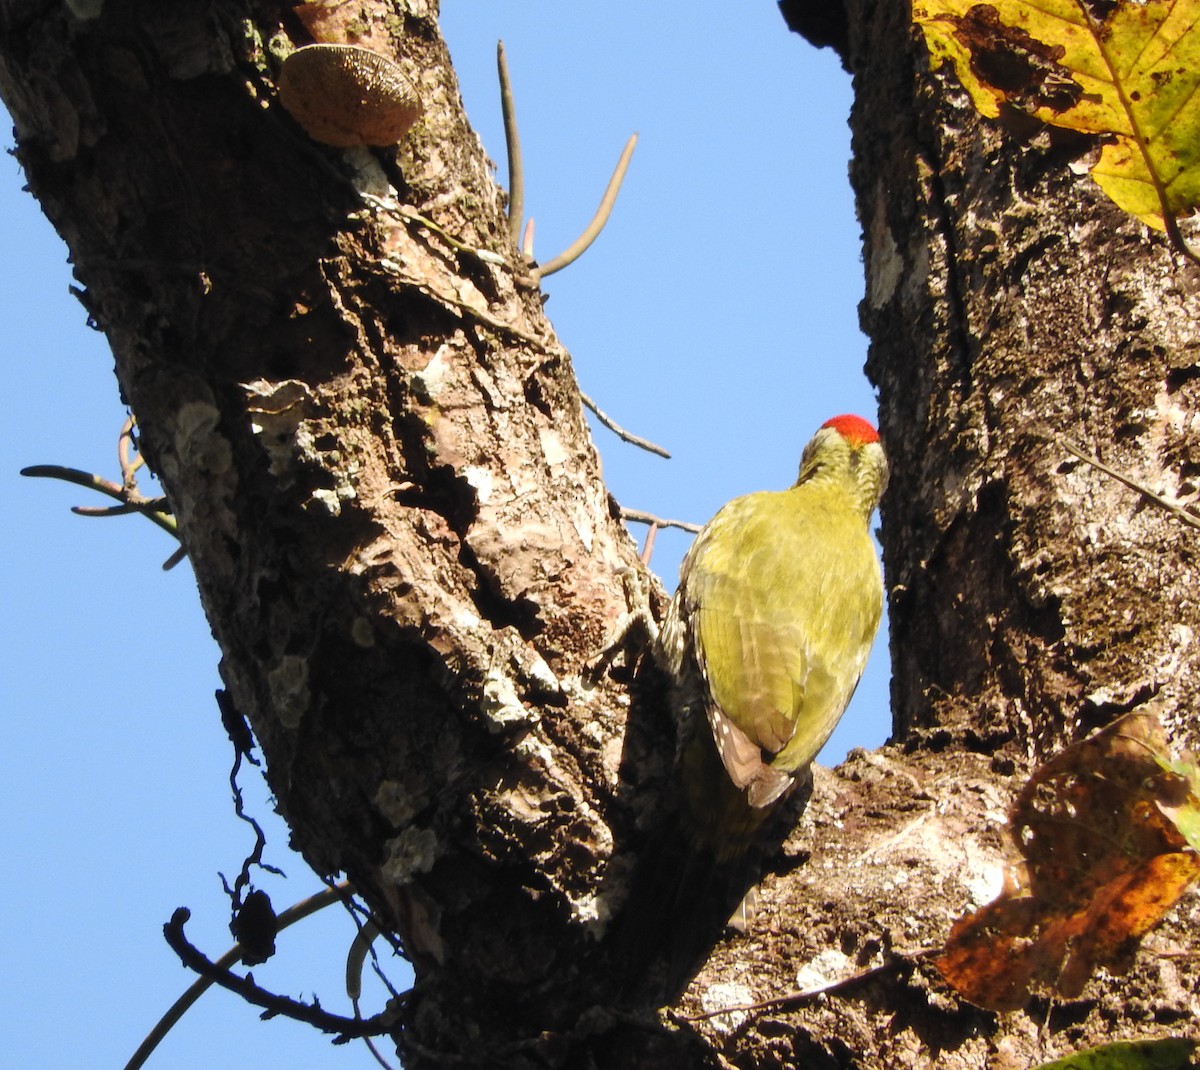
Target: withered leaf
{"x": 1098, "y": 860}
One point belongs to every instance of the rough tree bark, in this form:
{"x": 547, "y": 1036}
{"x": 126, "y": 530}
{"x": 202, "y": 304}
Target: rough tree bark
{"x": 374, "y": 445}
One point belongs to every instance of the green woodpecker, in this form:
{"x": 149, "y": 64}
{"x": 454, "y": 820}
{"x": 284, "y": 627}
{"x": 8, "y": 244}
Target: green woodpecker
{"x": 778, "y": 602}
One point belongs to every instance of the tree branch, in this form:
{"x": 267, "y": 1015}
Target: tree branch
{"x": 311, "y": 1014}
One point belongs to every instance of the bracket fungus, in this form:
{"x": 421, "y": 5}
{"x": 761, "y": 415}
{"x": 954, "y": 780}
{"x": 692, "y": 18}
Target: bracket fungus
{"x": 345, "y": 95}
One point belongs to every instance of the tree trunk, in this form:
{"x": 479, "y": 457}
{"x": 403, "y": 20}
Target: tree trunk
{"x": 1012, "y": 307}
{"x": 374, "y": 445}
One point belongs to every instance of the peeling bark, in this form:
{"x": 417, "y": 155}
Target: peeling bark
{"x": 374, "y": 445}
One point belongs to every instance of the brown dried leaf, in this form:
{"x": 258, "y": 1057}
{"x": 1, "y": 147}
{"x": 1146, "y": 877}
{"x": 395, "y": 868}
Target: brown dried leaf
{"x": 1099, "y": 862}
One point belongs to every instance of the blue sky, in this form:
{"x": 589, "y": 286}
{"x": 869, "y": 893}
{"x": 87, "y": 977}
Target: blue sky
{"x": 716, "y": 315}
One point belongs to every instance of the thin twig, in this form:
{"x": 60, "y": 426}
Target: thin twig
{"x": 793, "y": 998}
{"x": 174, "y": 559}
{"x": 576, "y": 249}
{"x": 309, "y": 1013}
{"x": 512, "y": 142}
{"x": 1132, "y": 484}
{"x": 104, "y": 510}
{"x": 648, "y": 545}
{"x": 238, "y": 730}
{"x": 143, "y": 505}
{"x": 150, "y": 507}
{"x": 619, "y": 431}
{"x": 408, "y": 215}
{"x": 639, "y": 517}
{"x": 129, "y": 462}
{"x": 359, "y": 949}
{"x": 375, "y": 1052}
{"x": 293, "y": 914}
{"x": 357, "y": 955}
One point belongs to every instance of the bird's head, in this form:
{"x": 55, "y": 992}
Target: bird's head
{"x": 847, "y": 449}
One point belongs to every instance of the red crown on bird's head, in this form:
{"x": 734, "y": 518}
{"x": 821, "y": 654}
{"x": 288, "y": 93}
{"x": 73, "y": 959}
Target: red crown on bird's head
{"x": 854, "y": 429}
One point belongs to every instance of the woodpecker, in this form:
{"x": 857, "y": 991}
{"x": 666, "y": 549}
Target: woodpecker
{"x": 764, "y": 641}
{"x": 778, "y": 603}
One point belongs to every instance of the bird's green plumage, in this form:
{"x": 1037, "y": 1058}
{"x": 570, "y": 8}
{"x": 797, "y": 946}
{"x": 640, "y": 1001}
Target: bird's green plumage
{"x": 778, "y": 603}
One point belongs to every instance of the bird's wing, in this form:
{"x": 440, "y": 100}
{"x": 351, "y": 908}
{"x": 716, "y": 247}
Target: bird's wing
{"x": 764, "y": 668}
{"x": 780, "y": 669}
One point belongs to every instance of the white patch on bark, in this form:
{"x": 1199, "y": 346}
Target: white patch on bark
{"x": 826, "y": 969}
{"x": 552, "y": 447}
{"x": 198, "y": 444}
{"x": 726, "y": 994}
{"x": 277, "y": 412}
{"x": 290, "y": 695}
{"x": 501, "y": 705}
{"x": 481, "y": 480}
{"x": 430, "y": 380}
{"x": 413, "y": 851}
{"x": 396, "y": 803}
{"x": 362, "y": 632}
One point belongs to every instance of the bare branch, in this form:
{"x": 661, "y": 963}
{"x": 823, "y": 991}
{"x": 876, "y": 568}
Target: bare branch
{"x": 619, "y": 431}
{"x": 639, "y": 517}
{"x": 297, "y": 912}
{"x": 310, "y": 1013}
{"x": 512, "y": 141}
{"x": 149, "y": 507}
{"x": 577, "y": 248}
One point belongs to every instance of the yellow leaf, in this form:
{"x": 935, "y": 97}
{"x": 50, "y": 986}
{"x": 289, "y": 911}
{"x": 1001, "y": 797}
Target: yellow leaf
{"x": 1133, "y": 76}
